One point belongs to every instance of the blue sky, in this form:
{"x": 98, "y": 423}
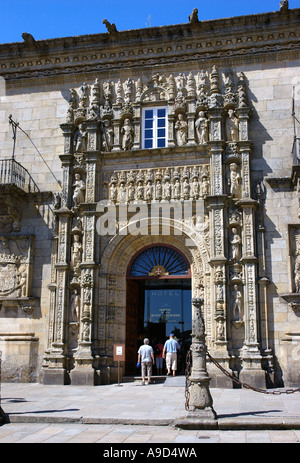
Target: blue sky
{"x": 63, "y": 18}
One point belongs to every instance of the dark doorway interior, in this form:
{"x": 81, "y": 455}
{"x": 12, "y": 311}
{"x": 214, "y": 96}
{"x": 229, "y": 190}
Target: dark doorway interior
{"x": 155, "y": 308}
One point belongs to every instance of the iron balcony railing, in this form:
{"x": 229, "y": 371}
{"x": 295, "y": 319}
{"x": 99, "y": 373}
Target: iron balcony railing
{"x": 13, "y": 173}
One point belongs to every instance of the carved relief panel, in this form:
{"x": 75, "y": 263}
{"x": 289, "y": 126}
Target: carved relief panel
{"x": 16, "y": 266}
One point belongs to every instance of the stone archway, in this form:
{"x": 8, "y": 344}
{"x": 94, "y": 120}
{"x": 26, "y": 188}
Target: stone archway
{"x": 115, "y": 260}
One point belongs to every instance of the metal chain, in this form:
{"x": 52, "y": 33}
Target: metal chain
{"x": 234, "y": 379}
{"x": 247, "y": 386}
{"x": 187, "y": 381}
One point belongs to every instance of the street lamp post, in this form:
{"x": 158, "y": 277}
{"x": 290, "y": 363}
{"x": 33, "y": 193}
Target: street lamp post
{"x": 201, "y": 413}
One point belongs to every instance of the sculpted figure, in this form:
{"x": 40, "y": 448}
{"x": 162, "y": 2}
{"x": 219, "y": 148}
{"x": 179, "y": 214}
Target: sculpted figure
{"x": 80, "y": 139}
{"x": 127, "y": 132}
{"x": 237, "y": 303}
{"x": 195, "y": 188}
{"x": 235, "y": 245}
{"x": 234, "y": 180}
{"x": 113, "y": 193}
{"x": 232, "y": 127}
{"x": 140, "y": 191}
{"x": 297, "y": 274}
{"x": 75, "y": 306}
{"x": 181, "y": 130}
{"x": 193, "y": 18}
{"x": 177, "y": 189}
{"x": 108, "y": 136}
{"x": 201, "y": 125}
{"x": 284, "y": 5}
{"x": 111, "y": 28}
{"x": 158, "y": 190}
{"x": 78, "y": 195}
{"x": 149, "y": 191}
{"x": 76, "y": 252}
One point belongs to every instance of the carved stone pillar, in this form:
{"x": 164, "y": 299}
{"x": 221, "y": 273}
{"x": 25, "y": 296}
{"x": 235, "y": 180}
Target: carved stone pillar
{"x": 243, "y": 116}
{"x": 218, "y": 253}
{"x": 171, "y": 122}
{"x": 252, "y": 372}
{"x": 84, "y": 373}
{"x": 137, "y": 126}
{"x": 55, "y": 370}
{"x": 191, "y": 102}
{"x": 201, "y": 402}
{"x": 245, "y": 150}
{"x": 68, "y": 132}
{"x": 117, "y": 127}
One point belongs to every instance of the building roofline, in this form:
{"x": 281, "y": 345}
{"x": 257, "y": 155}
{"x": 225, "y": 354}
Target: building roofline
{"x": 32, "y": 58}
{"x": 201, "y": 26}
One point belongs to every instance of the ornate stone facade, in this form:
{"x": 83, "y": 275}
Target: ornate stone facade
{"x": 201, "y": 192}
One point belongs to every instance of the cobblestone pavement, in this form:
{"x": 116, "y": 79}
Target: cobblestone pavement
{"x": 129, "y": 434}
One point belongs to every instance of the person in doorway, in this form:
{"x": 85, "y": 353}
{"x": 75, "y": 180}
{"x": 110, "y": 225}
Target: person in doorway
{"x": 146, "y": 359}
{"x": 171, "y": 348}
{"x": 159, "y": 347}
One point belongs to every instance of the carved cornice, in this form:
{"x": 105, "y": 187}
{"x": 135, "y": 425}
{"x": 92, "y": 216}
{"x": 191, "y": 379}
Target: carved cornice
{"x": 254, "y": 38}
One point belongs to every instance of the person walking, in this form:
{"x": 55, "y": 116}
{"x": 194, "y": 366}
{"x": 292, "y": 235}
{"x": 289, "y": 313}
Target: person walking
{"x": 171, "y": 348}
{"x": 146, "y": 359}
{"x": 158, "y": 357}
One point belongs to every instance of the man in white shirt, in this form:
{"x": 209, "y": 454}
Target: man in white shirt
{"x": 171, "y": 348}
{"x": 146, "y": 359}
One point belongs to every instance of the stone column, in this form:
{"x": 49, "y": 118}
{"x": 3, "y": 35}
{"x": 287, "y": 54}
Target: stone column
{"x": 54, "y": 372}
{"x": 201, "y": 410}
{"x": 117, "y": 127}
{"x": 84, "y": 373}
{"x": 171, "y": 122}
{"x": 252, "y": 372}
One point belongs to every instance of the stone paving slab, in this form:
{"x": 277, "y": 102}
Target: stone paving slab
{"x": 154, "y": 404}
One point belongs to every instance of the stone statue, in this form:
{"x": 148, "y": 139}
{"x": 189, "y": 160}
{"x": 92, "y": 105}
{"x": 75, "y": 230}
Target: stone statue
{"x": 195, "y": 188}
{"x": 75, "y": 306}
{"x": 232, "y": 127}
{"x": 56, "y": 200}
{"x": 127, "y": 132}
{"x": 205, "y": 186}
{"x": 28, "y": 39}
{"x": 111, "y": 28}
{"x": 108, "y": 136}
{"x": 23, "y": 284}
{"x": 149, "y": 191}
{"x": 158, "y": 190}
{"x": 284, "y": 5}
{"x": 234, "y": 180}
{"x": 220, "y": 330}
{"x": 193, "y": 18}
{"x": 236, "y": 245}
{"x": 177, "y": 189}
{"x": 78, "y": 195}
{"x": 297, "y": 274}
{"x": 113, "y": 193}
{"x": 237, "y": 303}
{"x": 80, "y": 138}
{"x": 201, "y": 125}
{"x": 76, "y": 253}
{"x": 181, "y": 130}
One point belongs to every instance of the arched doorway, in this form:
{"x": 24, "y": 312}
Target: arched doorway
{"x": 158, "y": 301}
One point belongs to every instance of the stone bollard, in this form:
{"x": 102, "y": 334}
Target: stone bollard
{"x": 201, "y": 414}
